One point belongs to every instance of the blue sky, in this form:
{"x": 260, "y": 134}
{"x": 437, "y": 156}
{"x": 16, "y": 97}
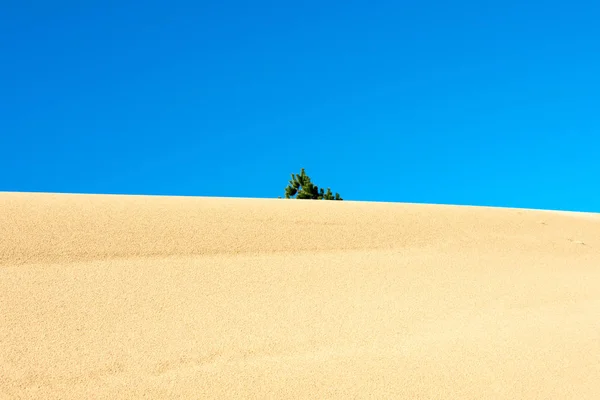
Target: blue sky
{"x": 460, "y": 102}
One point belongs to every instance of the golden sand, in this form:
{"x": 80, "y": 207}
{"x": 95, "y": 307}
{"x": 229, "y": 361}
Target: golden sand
{"x": 120, "y": 297}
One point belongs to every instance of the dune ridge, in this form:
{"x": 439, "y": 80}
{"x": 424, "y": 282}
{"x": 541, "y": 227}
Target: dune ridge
{"x": 107, "y": 296}
{"x": 67, "y": 228}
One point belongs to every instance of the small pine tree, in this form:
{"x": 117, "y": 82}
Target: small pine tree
{"x": 301, "y": 187}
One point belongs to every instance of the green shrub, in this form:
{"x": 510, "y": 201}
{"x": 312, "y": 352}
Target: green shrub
{"x": 301, "y": 187}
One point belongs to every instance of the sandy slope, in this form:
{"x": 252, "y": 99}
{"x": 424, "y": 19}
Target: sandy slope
{"x": 153, "y": 297}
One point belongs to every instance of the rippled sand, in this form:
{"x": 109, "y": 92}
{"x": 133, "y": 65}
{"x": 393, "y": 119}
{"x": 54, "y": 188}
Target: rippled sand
{"x": 119, "y": 297}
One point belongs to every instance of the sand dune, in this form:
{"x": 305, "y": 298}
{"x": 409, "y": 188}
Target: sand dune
{"x": 114, "y": 297}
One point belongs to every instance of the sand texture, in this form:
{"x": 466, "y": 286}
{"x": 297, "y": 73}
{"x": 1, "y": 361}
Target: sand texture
{"x": 127, "y": 297}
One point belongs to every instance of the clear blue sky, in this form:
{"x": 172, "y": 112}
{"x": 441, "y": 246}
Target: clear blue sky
{"x": 462, "y": 102}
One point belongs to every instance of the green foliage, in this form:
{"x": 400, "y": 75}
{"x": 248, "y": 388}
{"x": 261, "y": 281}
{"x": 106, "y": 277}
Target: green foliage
{"x": 301, "y": 187}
